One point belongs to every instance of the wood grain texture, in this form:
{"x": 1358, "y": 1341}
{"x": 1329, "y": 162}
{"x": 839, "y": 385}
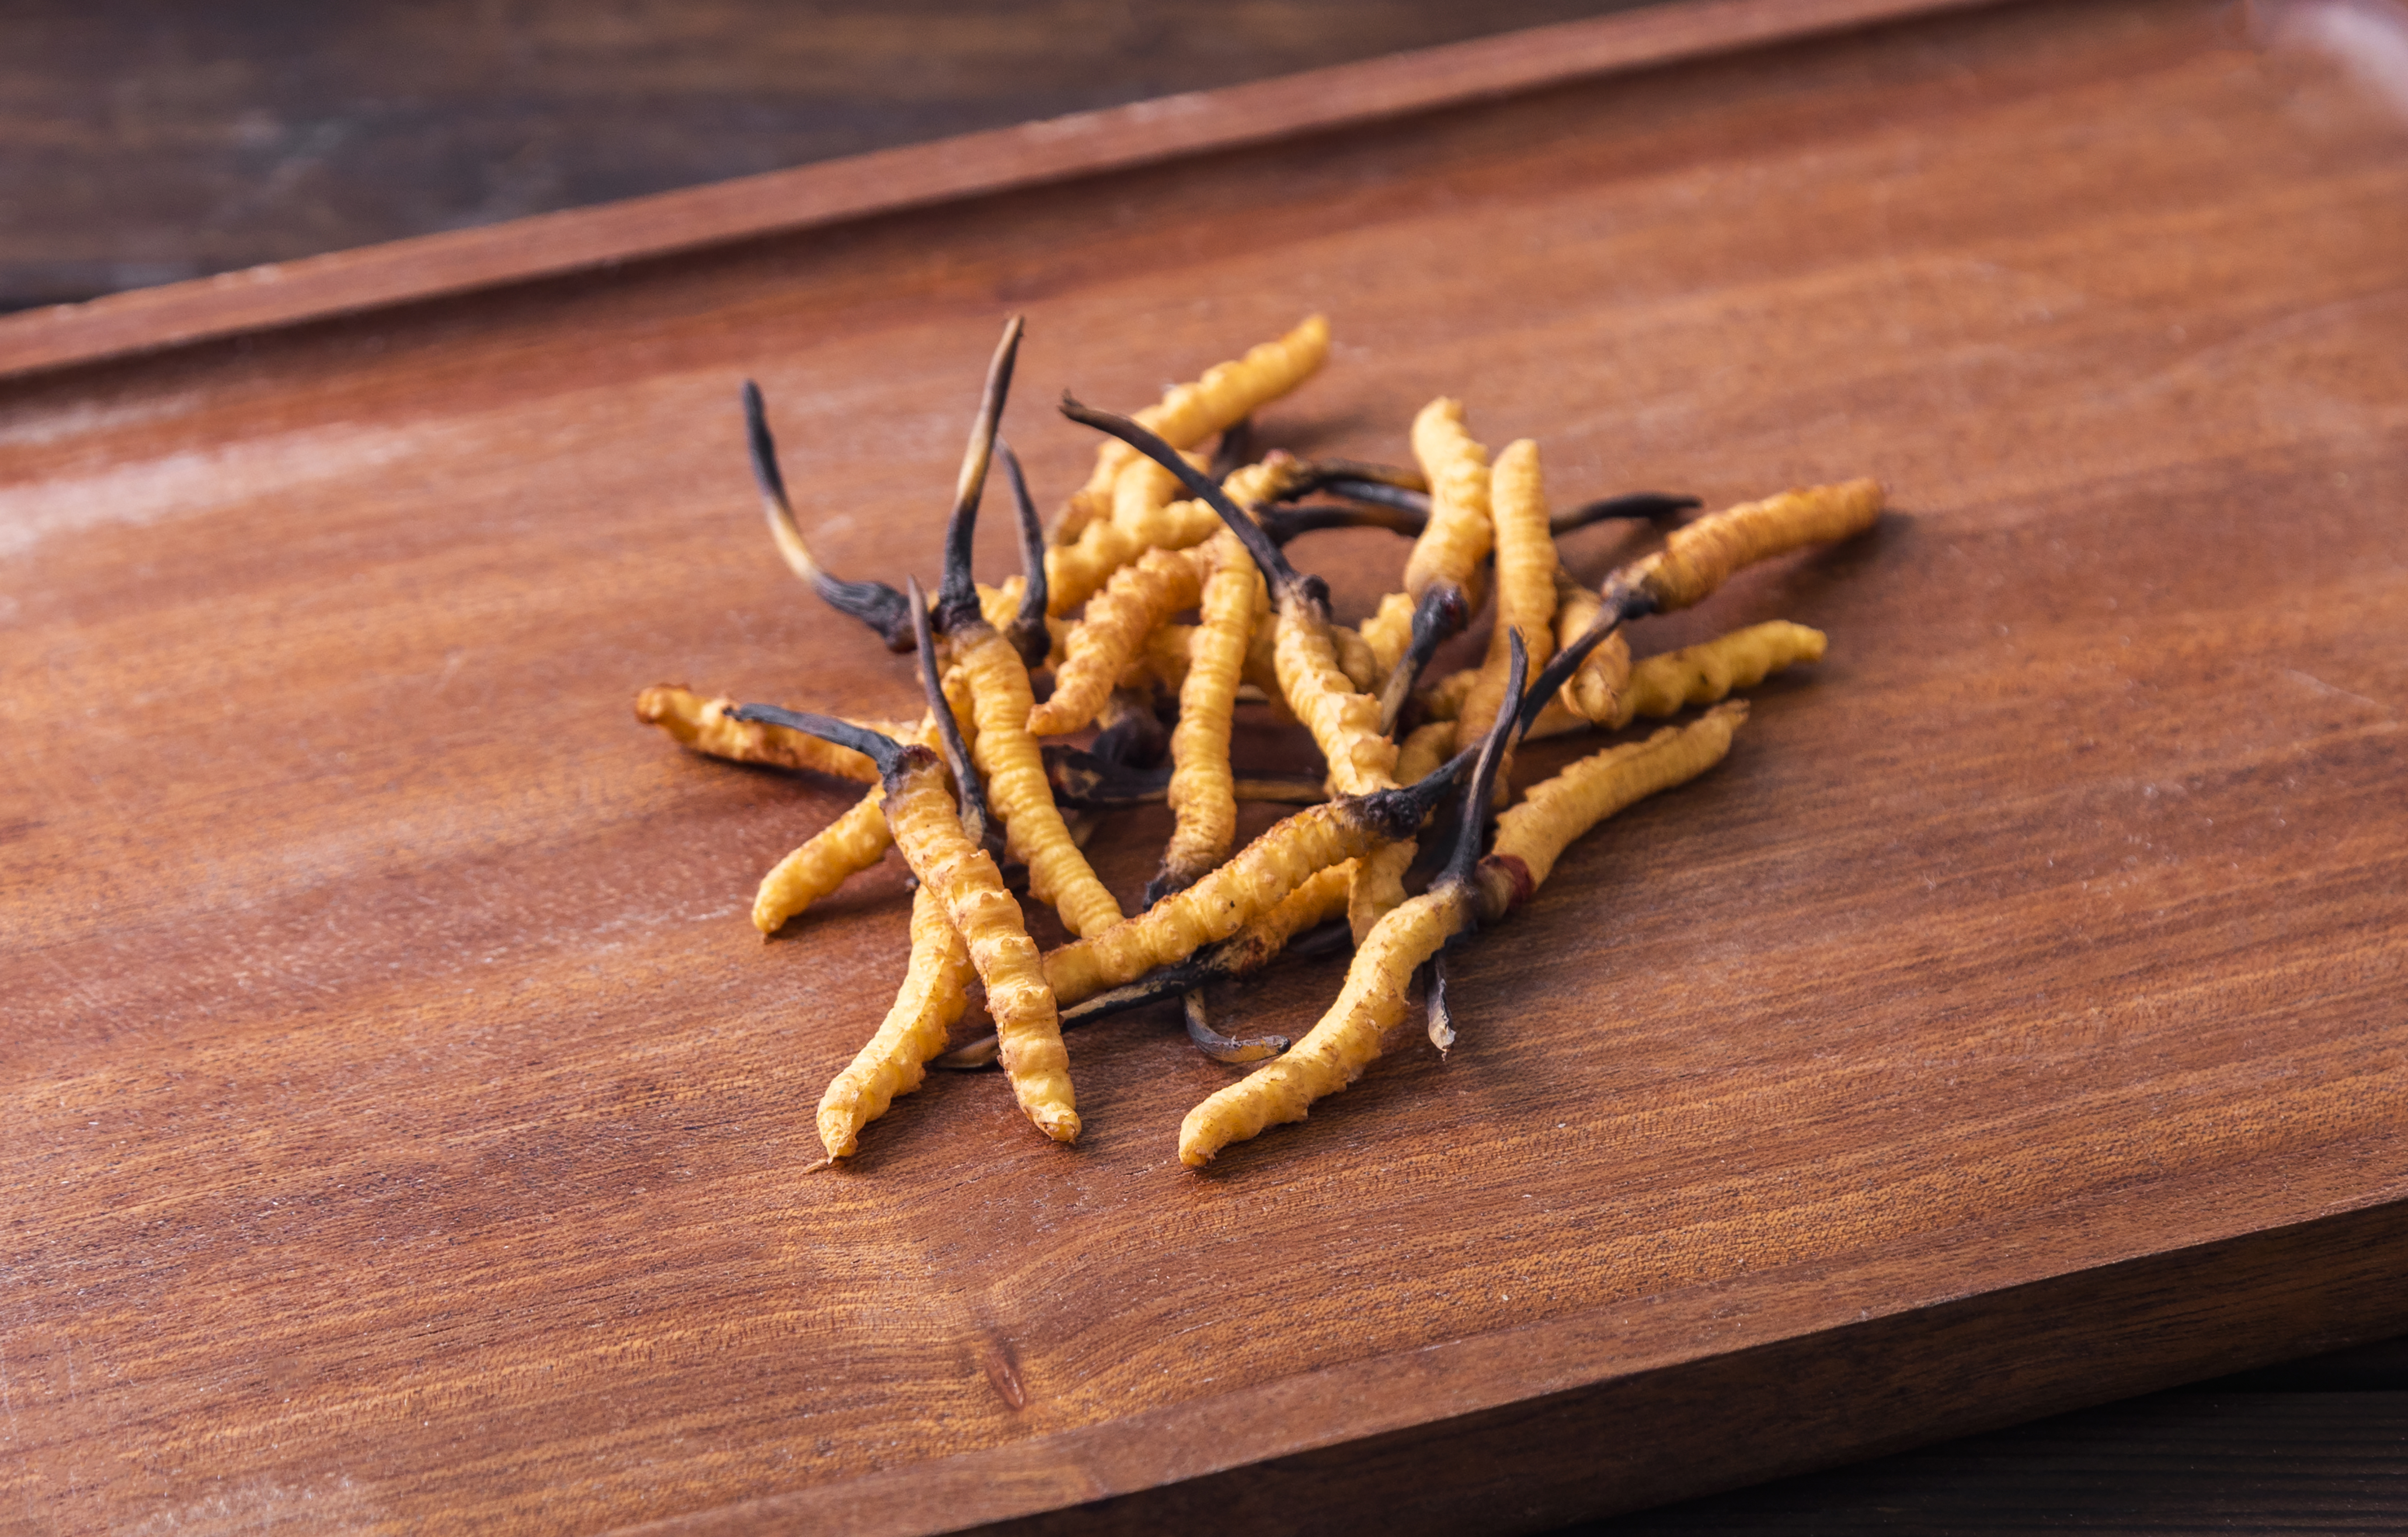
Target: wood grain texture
{"x": 816, "y": 196}
{"x": 152, "y": 142}
{"x": 408, "y": 1116}
{"x": 2172, "y": 1463}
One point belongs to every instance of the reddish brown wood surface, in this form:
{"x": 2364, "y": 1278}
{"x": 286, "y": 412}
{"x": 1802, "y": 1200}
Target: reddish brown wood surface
{"x": 408, "y": 1118}
{"x": 836, "y": 192}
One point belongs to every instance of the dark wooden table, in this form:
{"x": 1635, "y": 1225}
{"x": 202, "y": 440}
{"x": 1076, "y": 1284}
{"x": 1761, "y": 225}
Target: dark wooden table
{"x": 150, "y": 142}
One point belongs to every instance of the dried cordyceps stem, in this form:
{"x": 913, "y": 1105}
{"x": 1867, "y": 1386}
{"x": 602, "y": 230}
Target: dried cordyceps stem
{"x": 1442, "y": 574}
{"x": 1261, "y": 875}
{"x": 1531, "y": 835}
{"x": 874, "y": 603}
{"x": 1336, "y": 1050}
{"x": 1294, "y": 926}
{"x": 1203, "y": 793}
{"x": 705, "y": 726}
{"x": 1006, "y": 753}
{"x": 1227, "y": 393}
{"x": 934, "y": 993}
{"x": 927, "y": 828}
{"x": 1526, "y": 584}
{"x": 1699, "y": 557}
{"x": 1234, "y": 1050}
{"x": 1344, "y": 723}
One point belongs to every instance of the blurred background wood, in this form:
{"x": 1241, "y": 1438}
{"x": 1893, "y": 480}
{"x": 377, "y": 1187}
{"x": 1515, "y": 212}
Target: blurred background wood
{"x": 152, "y": 142}
{"x": 148, "y": 142}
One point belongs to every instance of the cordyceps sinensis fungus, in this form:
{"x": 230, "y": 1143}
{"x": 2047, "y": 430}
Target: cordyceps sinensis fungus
{"x": 1006, "y": 753}
{"x": 1344, "y": 723}
{"x": 935, "y": 982}
{"x": 1525, "y": 586}
{"x": 1083, "y": 780}
{"x": 1203, "y": 790}
{"x": 874, "y": 603}
{"x": 1227, "y": 393}
{"x": 1256, "y": 881}
{"x": 1667, "y": 684}
{"x": 1533, "y": 835}
{"x": 1111, "y": 634}
{"x": 1380, "y": 884}
{"x": 1700, "y": 557}
{"x": 1018, "y": 609}
{"x": 705, "y": 727}
{"x": 850, "y": 844}
{"x": 1442, "y": 575}
{"x": 1293, "y": 926}
{"x": 948, "y": 859}
{"x": 1334, "y": 1053}
{"x": 935, "y": 993}
{"x": 860, "y": 838}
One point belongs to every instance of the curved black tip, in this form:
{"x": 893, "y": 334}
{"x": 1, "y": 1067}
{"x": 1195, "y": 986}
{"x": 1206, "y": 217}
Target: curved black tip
{"x": 970, "y": 795}
{"x": 1644, "y": 506}
{"x": 874, "y": 603}
{"x": 1482, "y": 787}
{"x": 1442, "y": 614}
{"x": 1274, "y": 565}
{"x": 880, "y": 748}
{"x": 1620, "y": 602}
{"x": 1028, "y": 635}
{"x": 957, "y": 592}
{"x": 764, "y": 448}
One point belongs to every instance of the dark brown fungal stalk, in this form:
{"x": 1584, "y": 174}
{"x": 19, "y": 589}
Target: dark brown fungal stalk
{"x": 874, "y": 603}
{"x": 1235, "y": 450}
{"x": 1133, "y": 733}
{"x": 1083, "y": 779}
{"x": 1027, "y": 631}
{"x": 968, "y": 791}
{"x": 1439, "y": 616}
{"x": 1000, "y": 700}
{"x": 1286, "y": 582}
{"x": 1399, "y": 511}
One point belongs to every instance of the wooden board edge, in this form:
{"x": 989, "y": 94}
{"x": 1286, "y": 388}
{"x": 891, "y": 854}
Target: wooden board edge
{"x": 835, "y": 192}
{"x": 1969, "y": 1364}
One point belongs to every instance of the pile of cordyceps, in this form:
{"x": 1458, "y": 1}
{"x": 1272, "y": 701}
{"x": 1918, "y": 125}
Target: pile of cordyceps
{"x": 1160, "y": 530}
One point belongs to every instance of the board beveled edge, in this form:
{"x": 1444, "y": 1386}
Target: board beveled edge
{"x": 835, "y": 192}
{"x": 1686, "y": 1423}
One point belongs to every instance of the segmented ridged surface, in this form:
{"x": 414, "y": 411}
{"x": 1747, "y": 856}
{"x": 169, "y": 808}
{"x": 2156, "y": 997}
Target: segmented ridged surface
{"x": 1346, "y": 1041}
{"x": 1111, "y": 634}
{"x": 934, "y": 993}
{"x": 1378, "y": 885}
{"x": 1708, "y": 671}
{"x": 1009, "y": 758}
{"x": 1345, "y": 724}
{"x": 704, "y": 726}
{"x": 1699, "y": 557}
{"x": 1225, "y": 393}
{"x": 1457, "y": 537}
{"x": 1590, "y": 692}
{"x": 1261, "y": 875}
{"x": 1202, "y": 793}
{"x": 1556, "y": 810}
{"x": 1526, "y": 584}
{"x": 832, "y": 855}
{"x": 921, "y": 810}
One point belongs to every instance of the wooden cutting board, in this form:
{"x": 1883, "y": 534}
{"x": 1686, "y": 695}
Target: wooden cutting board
{"x": 406, "y": 1125}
